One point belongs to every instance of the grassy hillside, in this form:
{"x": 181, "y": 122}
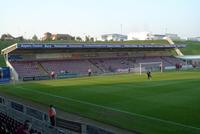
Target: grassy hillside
{"x": 193, "y": 48}
{"x": 137, "y": 42}
{"x": 4, "y": 44}
{"x": 168, "y": 104}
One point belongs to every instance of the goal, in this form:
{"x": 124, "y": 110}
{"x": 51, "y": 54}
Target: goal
{"x": 150, "y": 66}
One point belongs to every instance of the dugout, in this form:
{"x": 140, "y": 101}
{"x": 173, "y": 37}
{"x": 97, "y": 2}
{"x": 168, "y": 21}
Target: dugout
{"x": 4, "y": 74}
{"x": 193, "y": 60}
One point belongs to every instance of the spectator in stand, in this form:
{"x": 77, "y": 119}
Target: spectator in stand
{"x": 89, "y": 72}
{"x": 177, "y": 66}
{"x": 180, "y": 65}
{"x": 66, "y": 71}
{"x": 52, "y": 115}
{"x": 62, "y": 71}
{"x": 194, "y": 65}
{"x": 25, "y": 128}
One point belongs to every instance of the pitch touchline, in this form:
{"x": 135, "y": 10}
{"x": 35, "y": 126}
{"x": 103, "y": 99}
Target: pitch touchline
{"x": 113, "y": 109}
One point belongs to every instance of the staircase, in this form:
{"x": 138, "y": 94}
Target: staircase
{"x": 177, "y": 50}
{"x": 42, "y": 68}
{"x": 96, "y": 65}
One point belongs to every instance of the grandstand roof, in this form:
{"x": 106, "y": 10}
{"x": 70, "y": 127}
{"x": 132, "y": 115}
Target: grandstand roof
{"x": 29, "y": 46}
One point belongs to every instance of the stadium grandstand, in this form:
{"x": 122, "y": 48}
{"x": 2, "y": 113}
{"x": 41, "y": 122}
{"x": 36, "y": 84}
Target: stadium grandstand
{"x": 30, "y": 61}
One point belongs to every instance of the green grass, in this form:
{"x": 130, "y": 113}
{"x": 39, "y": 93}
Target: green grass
{"x": 127, "y": 101}
{"x": 193, "y": 48}
{"x": 4, "y": 44}
{"x": 136, "y": 42}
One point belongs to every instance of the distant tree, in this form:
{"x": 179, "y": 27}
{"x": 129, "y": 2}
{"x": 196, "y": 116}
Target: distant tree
{"x": 73, "y": 38}
{"x": 78, "y": 39}
{"x": 87, "y": 38}
{"x": 34, "y": 38}
{"x": 7, "y": 37}
{"x": 20, "y": 38}
{"x": 47, "y": 36}
{"x": 91, "y": 39}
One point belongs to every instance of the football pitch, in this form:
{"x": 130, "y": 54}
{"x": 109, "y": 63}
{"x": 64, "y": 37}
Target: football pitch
{"x": 167, "y": 104}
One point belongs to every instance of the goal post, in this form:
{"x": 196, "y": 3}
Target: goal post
{"x": 151, "y": 66}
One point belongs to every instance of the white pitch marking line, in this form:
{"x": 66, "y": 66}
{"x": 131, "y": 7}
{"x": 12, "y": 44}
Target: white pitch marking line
{"x": 112, "y": 109}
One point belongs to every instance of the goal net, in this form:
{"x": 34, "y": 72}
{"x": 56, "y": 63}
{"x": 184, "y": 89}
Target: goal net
{"x": 150, "y": 66}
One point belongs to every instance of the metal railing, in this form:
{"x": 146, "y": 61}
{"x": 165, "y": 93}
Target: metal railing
{"x": 40, "y": 120}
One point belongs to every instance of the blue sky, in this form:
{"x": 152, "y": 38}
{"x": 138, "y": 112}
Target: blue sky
{"x": 94, "y": 17}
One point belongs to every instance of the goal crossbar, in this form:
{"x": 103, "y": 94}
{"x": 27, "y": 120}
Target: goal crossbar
{"x": 151, "y": 63}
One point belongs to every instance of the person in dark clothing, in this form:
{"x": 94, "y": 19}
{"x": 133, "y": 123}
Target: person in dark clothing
{"x": 52, "y": 115}
{"x": 149, "y": 75}
{"x": 129, "y": 70}
{"x": 25, "y": 128}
